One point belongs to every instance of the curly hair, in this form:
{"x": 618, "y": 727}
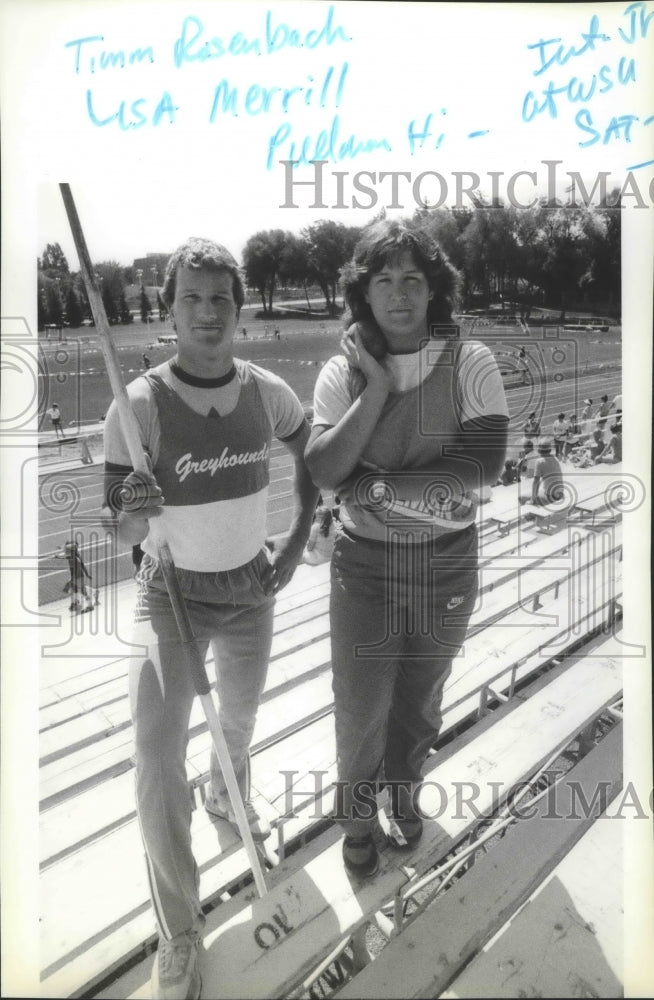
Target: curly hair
{"x": 199, "y": 253}
{"x": 381, "y": 243}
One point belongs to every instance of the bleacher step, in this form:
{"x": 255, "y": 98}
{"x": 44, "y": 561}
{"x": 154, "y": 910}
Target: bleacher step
{"x": 318, "y": 903}
{"x": 427, "y": 955}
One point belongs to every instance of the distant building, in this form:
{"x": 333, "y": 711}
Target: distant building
{"x": 158, "y": 261}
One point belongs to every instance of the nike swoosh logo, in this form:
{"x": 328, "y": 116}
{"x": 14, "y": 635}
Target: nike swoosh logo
{"x": 454, "y": 602}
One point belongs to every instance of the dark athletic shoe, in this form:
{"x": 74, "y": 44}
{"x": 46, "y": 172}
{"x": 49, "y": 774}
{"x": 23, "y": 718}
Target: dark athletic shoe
{"x": 360, "y": 855}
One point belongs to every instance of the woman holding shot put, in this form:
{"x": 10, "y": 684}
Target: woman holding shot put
{"x": 410, "y": 423}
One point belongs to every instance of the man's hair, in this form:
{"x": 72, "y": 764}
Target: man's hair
{"x": 381, "y": 243}
{"x": 544, "y": 444}
{"x": 202, "y": 254}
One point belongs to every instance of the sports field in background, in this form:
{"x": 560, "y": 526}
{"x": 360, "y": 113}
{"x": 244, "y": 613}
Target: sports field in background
{"x": 72, "y": 372}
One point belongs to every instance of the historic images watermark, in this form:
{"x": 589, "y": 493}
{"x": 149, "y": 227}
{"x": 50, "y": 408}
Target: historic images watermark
{"x": 465, "y": 800}
{"x": 406, "y": 189}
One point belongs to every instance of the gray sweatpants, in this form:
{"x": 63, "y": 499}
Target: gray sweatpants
{"x": 231, "y": 611}
{"x": 399, "y": 614}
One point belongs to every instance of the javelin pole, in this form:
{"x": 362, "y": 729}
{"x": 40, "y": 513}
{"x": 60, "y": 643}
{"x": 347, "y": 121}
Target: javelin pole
{"x": 131, "y": 433}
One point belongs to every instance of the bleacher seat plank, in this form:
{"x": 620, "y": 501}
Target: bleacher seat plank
{"x": 93, "y": 678}
{"x": 246, "y": 956}
{"x": 430, "y": 952}
{"x": 59, "y": 788}
{"x": 67, "y": 933}
{"x": 54, "y": 713}
{"x": 78, "y": 731}
{"x": 313, "y": 606}
{"x": 69, "y": 765}
{"x": 476, "y": 667}
{"x": 522, "y": 653}
{"x": 63, "y": 741}
{"x": 574, "y": 926}
{"x": 505, "y": 510}
{"x": 518, "y": 654}
{"x": 301, "y": 667}
{"x": 76, "y": 666}
{"x": 314, "y": 628}
{"x": 475, "y": 647}
{"x": 93, "y": 958}
{"x": 593, "y": 506}
{"x": 75, "y": 821}
{"x": 94, "y": 682}
{"x": 435, "y": 837}
{"x": 85, "y": 767}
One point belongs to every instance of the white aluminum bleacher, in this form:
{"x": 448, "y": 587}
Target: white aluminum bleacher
{"x": 568, "y": 933}
{"x": 531, "y": 584}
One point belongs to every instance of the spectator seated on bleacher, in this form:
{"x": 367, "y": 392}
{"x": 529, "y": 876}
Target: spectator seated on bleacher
{"x": 587, "y": 453}
{"x": 547, "y": 485}
{"x": 509, "y": 473}
{"x": 612, "y": 452}
{"x": 616, "y": 407}
{"x": 574, "y": 434}
{"x": 605, "y": 408}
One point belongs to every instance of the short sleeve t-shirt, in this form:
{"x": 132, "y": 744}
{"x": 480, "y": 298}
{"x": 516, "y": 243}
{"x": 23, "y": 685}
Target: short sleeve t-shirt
{"x": 210, "y": 450}
{"x": 435, "y": 391}
{"x": 480, "y": 382}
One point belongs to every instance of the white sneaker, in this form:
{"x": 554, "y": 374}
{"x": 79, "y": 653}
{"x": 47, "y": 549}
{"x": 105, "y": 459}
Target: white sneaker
{"x": 176, "y": 975}
{"x": 259, "y": 825}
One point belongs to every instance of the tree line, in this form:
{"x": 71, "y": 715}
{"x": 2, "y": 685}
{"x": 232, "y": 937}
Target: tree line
{"x": 549, "y": 255}
{"x": 62, "y": 298}
{"x": 553, "y": 256}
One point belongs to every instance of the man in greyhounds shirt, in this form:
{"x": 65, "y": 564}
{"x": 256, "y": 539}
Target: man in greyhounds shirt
{"x": 207, "y": 421}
